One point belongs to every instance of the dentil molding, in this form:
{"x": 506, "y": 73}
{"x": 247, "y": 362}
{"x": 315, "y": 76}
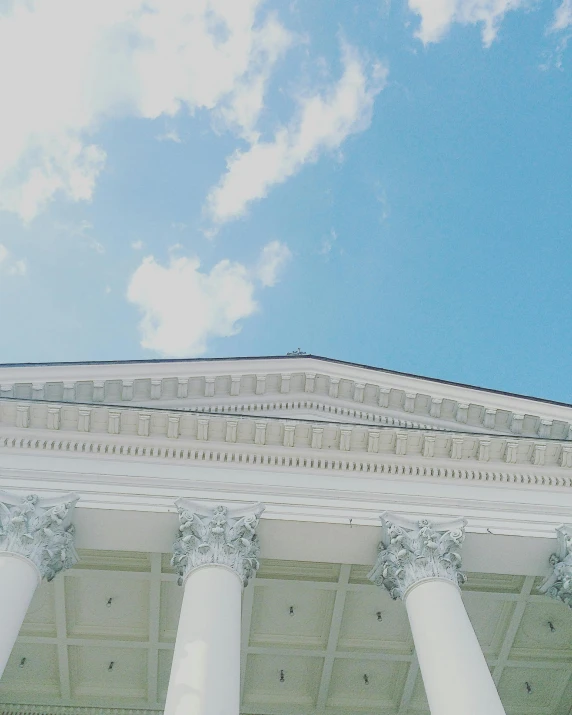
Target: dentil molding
{"x": 241, "y": 456}
{"x": 74, "y": 422}
{"x": 278, "y": 378}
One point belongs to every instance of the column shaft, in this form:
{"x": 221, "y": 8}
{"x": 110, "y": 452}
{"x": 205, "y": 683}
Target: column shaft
{"x": 36, "y": 541}
{"x": 19, "y": 579}
{"x": 215, "y": 554}
{"x": 419, "y": 562}
{"x": 455, "y": 673}
{"x": 205, "y": 676}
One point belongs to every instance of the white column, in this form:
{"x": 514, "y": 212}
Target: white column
{"x": 419, "y": 562}
{"x": 215, "y": 554}
{"x": 36, "y": 541}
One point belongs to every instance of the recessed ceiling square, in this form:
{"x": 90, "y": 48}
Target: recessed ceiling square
{"x": 291, "y": 614}
{"x": 107, "y": 606}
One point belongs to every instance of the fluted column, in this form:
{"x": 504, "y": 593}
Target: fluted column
{"x": 36, "y": 541}
{"x": 419, "y": 562}
{"x": 559, "y": 583}
{"x": 215, "y": 554}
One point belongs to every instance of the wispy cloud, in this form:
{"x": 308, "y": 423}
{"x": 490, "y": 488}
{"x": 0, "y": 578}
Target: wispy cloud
{"x": 83, "y": 231}
{"x": 183, "y": 307}
{"x": 10, "y": 266}
{"x": 137, "y": 245}
{"x": 437, "y": 16}
{"x": 170, "y": 136}
{"x": 328, "y": 243}
{"x": 141, "y": 58}
{"x": 322, "y": 123}
{"x": 273, "y": 258}
{"x": 562, "y": 17}
{"x": 383, "y": 201}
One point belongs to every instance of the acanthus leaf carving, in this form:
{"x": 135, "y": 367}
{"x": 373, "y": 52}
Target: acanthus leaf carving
{"x": 559, "y": 583}
{"x": 40, "y": 530}
{"x": 216, "y": 535}
{"x": 414, "y": 550}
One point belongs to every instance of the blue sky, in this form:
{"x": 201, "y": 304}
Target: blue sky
{"x": 380, "y": 182}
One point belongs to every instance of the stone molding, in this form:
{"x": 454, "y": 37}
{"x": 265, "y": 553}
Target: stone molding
{"x": 39, "y": 530}
{"x": 559, "y": 583}
{"x": 413, "y": 550}
{"x": 359, "y": 439}
{"x": 350, "y": 384}
{"x": 239, "y": 456}
{"x": 262, "y": 407}
{"x": 216, "y": 535}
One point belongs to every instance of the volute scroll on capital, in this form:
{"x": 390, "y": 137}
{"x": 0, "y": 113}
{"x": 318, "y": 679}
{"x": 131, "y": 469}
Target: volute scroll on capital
{"x": 413, "y": 550}
{"x": 40, "y": 530}
{"x": 559, "y": 583}
{"x": 217, "y": 535}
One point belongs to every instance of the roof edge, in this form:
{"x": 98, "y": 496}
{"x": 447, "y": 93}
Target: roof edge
{"x": 309, "y": 356}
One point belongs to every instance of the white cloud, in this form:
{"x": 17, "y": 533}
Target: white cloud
{"x": 328, "y": 243}
{"x": 383, "y": 201}
{"x": 183, "y": 307}
{"x": 170, "y": 136}
{"x": 437, "y": 16}
{"x": 82, "y": 230}
{"x": 562, "y": 17}
{"x": 66, "y": 67}
{"x": 247, "y": 100}
{"x": 137, "y": 245}
{"x": 17, "y": 267}
{"x": 322, "y": 123}
{"x": 273, "y": 258}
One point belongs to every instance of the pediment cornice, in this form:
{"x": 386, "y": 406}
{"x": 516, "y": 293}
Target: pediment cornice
{"x": 290, "y": 385}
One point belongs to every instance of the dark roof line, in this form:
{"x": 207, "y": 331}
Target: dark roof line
{"x": 287, "y": 357}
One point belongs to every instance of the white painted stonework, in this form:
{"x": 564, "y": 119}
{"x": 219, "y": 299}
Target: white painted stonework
{"x": 167, "y": 459}
{"x": 419, "y": 562}
{"x": 215, "y": 555}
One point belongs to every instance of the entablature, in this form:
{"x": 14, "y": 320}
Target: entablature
{"x": 146, "y": 431}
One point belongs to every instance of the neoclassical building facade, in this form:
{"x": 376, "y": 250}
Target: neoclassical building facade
{"x": 280, "y": 536}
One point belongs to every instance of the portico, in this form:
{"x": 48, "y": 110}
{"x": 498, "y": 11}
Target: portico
{"x": 310, "y": 632}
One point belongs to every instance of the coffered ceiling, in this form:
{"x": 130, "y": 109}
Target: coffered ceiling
{"x": 317, "y": 638}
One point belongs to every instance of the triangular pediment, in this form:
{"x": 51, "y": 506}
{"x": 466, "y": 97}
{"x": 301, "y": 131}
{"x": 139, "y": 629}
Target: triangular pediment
{"x": 296, "y": 412}
{"x": 294, "y": 387}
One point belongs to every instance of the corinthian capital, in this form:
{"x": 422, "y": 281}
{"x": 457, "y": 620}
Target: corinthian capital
{"x": 216, "y": 535}
{"x": 559, "y": 582}
{"x": 40, "y": 530}
{"x": 413, "y": 550}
